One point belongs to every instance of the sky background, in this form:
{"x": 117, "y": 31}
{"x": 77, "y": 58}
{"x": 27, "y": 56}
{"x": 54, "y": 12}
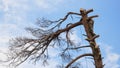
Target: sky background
{"x": 15, "y": 15}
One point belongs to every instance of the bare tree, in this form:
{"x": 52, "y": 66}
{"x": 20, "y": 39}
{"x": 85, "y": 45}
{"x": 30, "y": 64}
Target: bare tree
{"x": 48, "y": 34}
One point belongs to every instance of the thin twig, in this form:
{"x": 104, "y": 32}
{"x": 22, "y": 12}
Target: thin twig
{"x": 79, "y": 47}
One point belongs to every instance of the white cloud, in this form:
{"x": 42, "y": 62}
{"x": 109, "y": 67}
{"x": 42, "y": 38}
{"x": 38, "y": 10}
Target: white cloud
{"x": 42, "y": 4}
{"x": 14, "y": 4}
{"x": 2, "y": 56}
{"x": 13, "y": 18}
{"x": 74, "y": 37}
{"x": 4, "y": 40}
{"x": 13, "y": 10}
{"x": 112, "y": 58}
{"x": 1, "y": 66}
{"x": 6, "y": 33}
{"x": 3, "y": 50}
{"x": 48, "y": 4}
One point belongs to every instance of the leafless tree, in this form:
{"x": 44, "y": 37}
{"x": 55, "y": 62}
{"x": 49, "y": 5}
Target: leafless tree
{"x": 48, "y": 34}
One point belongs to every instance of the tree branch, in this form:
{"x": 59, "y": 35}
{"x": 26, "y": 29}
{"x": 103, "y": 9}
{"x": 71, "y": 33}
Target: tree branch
{"x": 90, "y": 10}
{"x": 83, "y": 55}
{"x": 96, "y": 36}
{"x": 69, "y": 27}
{"x": 92, "y": 17}
{"x": 63, "y": 19}
{"x": 78, "y": 47}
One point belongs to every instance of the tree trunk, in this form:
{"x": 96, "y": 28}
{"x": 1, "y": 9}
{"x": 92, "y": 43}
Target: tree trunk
{"x": 91, "y": 36}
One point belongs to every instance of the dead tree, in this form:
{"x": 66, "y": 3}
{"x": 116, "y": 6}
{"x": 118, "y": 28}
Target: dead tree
{"x": 35, "y": 48}
{"x": 87, "y": 22}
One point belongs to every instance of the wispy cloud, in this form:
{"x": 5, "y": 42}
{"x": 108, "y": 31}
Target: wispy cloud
{"x": 74, "y": 37}
{"x": 112, "y": 58}
{"x": 16, "y": 11}
{"x": 13, "y": 11}
{"x": 48, "y": 4}
{"x": 12, "y": 19}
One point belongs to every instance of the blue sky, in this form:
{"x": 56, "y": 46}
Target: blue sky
{"x": 15, "y": 15}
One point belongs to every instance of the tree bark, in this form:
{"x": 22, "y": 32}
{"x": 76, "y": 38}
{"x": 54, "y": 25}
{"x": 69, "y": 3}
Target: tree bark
{"x": 91, "y": 36}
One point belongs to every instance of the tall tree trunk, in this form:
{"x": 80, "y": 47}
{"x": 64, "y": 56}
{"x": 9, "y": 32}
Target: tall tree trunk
{"x": 91, "y": 36}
